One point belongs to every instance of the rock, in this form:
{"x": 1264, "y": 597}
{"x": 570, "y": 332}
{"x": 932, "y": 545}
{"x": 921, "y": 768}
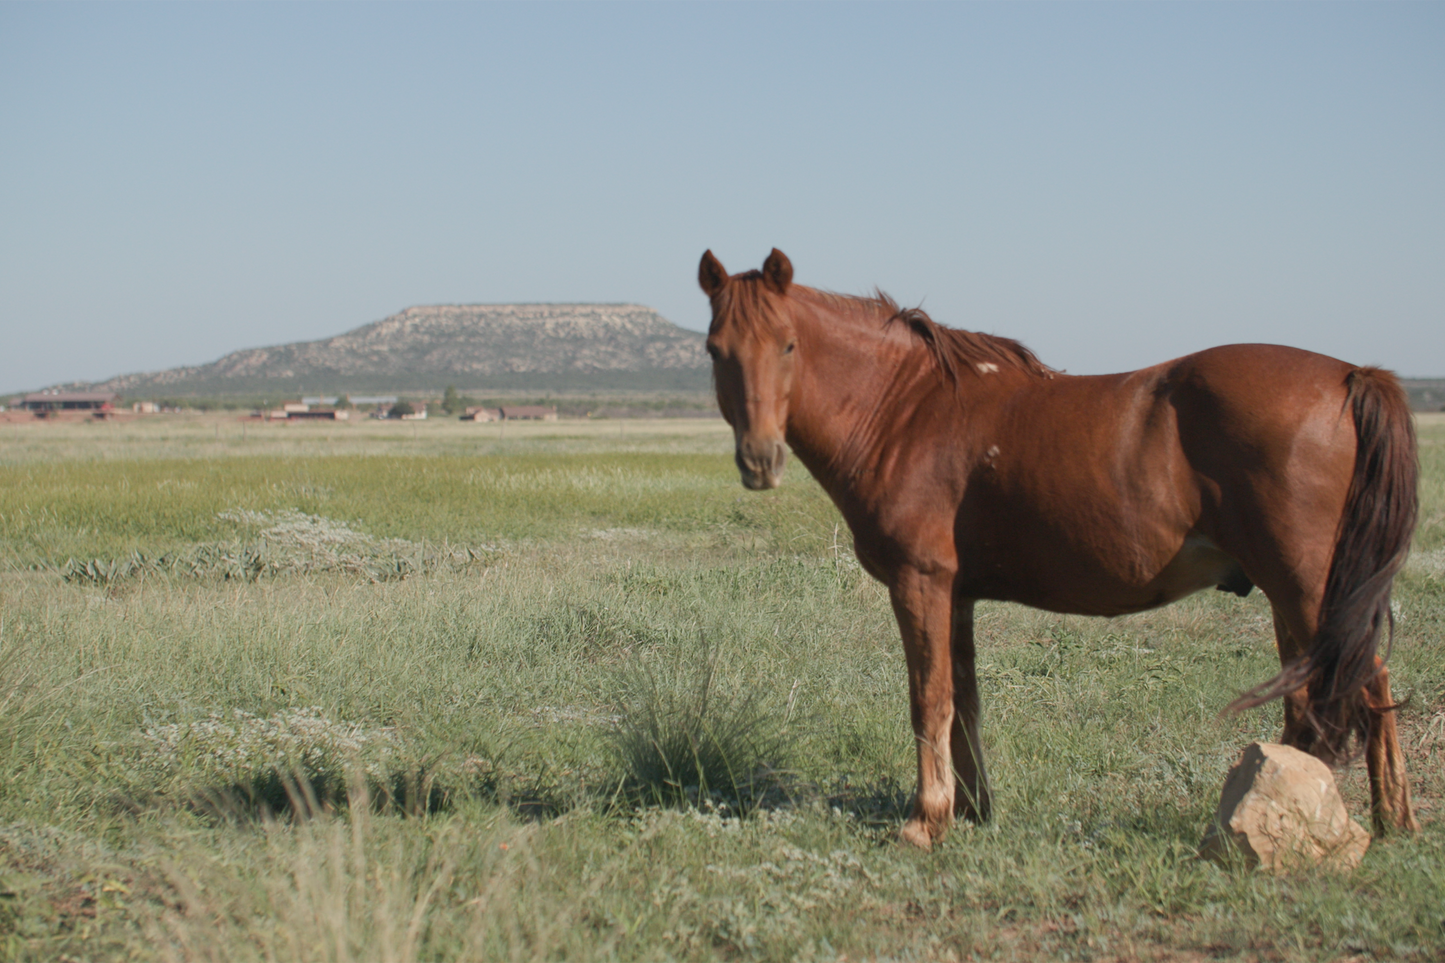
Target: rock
{"x": 1279, "y": 811}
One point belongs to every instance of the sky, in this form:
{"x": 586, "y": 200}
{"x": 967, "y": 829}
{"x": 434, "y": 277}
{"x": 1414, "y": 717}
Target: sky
{"x": 1114, "y": 185}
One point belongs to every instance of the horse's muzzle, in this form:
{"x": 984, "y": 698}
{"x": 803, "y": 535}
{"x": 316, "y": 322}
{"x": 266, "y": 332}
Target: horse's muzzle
{"x": 761, "y": 463}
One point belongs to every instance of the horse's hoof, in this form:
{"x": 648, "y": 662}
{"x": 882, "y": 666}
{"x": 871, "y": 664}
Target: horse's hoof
{"x": 1385, "y": 828}
{"x": 915, "y": 833}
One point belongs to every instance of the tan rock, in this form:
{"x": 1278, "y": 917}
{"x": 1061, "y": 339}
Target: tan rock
{"x": 1280, "y": 811}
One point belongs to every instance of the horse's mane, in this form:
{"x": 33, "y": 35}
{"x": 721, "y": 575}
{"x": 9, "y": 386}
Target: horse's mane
{"x": 951, "y": 348}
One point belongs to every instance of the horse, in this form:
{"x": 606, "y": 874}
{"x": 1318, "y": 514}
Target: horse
{"x": 966, "y": 469}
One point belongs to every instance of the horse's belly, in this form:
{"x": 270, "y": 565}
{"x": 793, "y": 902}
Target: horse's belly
{"x": 1199, "y": 564}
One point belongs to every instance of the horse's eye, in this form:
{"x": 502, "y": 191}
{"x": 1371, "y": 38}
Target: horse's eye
{"x": 712, "y": 352}
{"x": 790, "y": 347}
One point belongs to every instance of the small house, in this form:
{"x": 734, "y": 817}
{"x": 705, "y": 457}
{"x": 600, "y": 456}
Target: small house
{"x": 318, "y": 414}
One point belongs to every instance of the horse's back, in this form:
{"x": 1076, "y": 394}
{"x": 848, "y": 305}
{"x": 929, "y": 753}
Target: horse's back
{"x": 1103, "y": 483}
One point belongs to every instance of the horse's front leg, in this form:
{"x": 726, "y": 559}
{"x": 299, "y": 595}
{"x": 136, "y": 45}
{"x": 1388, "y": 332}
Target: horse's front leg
{"x": 923, "y": 604}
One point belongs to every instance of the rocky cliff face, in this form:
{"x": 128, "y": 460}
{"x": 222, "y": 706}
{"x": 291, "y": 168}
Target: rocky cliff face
{"x": 463, "y": 343}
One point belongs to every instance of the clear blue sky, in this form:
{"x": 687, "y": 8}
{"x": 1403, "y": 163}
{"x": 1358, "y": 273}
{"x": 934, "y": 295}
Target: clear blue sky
{"x": 1113, "y": 184}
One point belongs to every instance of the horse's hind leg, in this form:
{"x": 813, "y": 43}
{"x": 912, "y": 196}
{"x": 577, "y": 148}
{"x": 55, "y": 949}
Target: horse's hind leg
{"x": 1389, "y": 786}
{"x": 1390, "y": 807}
{"x": 1297, "y": 732}
{"x": 970, "y": 791}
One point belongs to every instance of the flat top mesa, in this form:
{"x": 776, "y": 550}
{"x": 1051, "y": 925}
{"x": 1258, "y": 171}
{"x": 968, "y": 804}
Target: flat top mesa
{"x": 618, "y": 345}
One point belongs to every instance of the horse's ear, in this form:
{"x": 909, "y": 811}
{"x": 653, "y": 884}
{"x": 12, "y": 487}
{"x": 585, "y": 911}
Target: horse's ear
{"x": 711, "y": 275}
{"x": 778, "y": 271}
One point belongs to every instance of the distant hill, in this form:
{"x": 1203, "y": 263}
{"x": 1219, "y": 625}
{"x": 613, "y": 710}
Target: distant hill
{"x": 541, "y": 347}
{"x": 1426, "y": 394}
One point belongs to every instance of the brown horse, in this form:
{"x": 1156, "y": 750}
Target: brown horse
{"x": 968, "y": 470}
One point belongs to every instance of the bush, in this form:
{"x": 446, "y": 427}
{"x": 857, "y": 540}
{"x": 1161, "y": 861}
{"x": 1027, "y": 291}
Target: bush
{"x": 682, "y": 738}
{"x": 295, "y": 759}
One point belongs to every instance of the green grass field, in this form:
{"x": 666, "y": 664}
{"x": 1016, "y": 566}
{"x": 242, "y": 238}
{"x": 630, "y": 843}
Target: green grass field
{"x": 445, "y": 691}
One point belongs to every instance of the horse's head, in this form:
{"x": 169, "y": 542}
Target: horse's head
{"x": 752, "y": 341}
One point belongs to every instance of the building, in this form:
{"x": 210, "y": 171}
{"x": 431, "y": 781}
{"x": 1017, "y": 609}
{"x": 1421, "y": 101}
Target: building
{"x": 302, "y": 411}
{"x": 43, "y": 403}
{"x": 479, "y": 413}
{"x": 319, "y": 414}
{"x": 529, "y": 412}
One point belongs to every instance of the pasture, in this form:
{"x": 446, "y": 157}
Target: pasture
{"x": 566, "y": 691}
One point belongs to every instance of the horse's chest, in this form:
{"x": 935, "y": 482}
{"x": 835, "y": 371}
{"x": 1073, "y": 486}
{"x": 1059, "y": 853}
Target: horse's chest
{"x": 902, "y": 534}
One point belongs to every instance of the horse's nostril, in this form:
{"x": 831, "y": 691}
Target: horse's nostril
{"x": 760, "y": 462}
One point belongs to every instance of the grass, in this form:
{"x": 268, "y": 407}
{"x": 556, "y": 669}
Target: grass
{"x": 684, "y": 736}
{"x": 442, "y": 483}
{"x": 647, "y": 716}
{"x": 212, "y": 436}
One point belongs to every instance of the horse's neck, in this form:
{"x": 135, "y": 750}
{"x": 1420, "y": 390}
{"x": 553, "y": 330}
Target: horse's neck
{"x": 853, "y": 389}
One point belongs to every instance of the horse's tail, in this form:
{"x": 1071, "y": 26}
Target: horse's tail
{"x": 1371, "y": 543}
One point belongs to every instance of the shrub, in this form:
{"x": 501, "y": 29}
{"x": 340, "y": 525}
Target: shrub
{"x": 681, "y": 737}
{"x": 296, "y": 756}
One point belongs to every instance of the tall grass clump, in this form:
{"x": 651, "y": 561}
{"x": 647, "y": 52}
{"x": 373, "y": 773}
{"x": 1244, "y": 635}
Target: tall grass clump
{"x": 685, "y": 736}
{"x": 21, "y": 696}
{"x": 31, "y": 698}
{"x": 359, "y": 886}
